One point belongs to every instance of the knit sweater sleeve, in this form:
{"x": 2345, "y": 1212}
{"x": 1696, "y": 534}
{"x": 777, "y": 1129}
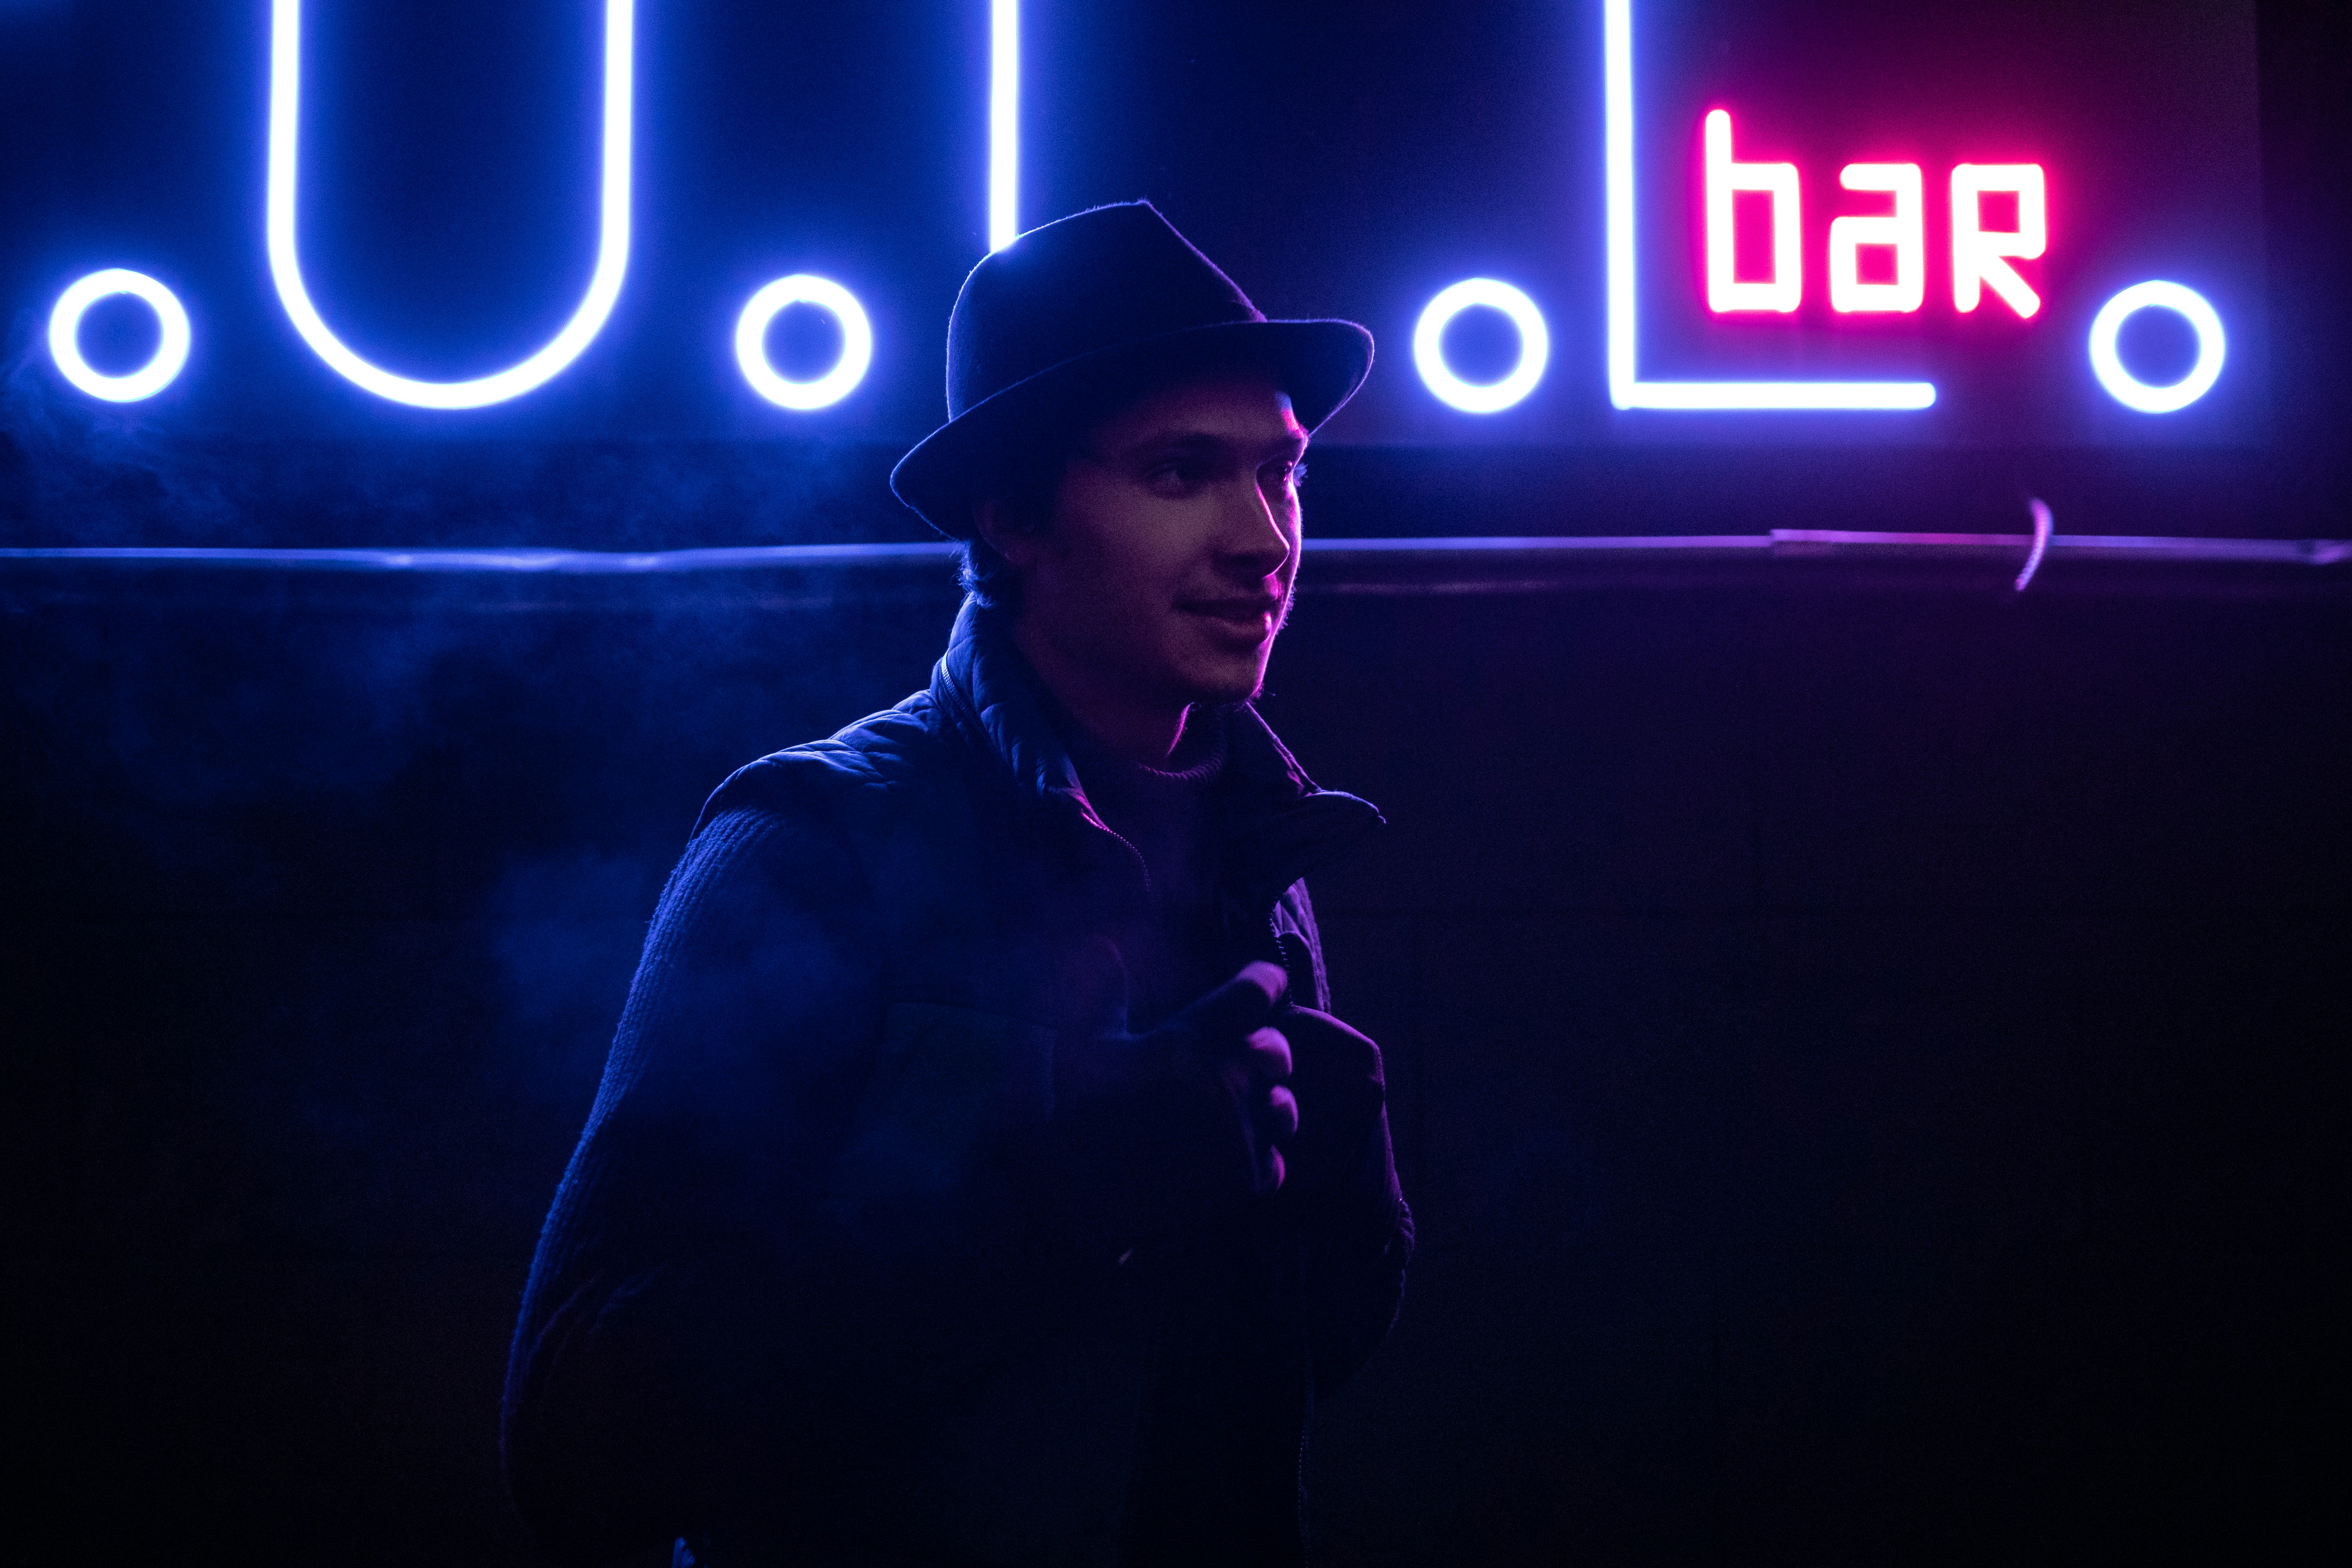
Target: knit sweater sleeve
{"x": 661, "y": 1320}
{"x": 1354, "y": 1286}
{"x": 1355, "y": 1260}
{"x": 704, "y": 1333}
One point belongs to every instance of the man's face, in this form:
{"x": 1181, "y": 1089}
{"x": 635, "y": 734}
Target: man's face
{"x": 1167, "y": 566}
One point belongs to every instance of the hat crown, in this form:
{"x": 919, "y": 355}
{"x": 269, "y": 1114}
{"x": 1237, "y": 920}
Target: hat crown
{"x": 1090, "y": 281}
{"x": 1060, "y": 326}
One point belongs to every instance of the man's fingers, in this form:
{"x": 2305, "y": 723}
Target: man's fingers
{"x": 1269, "y": 1055}
{"x": 1280, "y": 1116}
{"x": 1237, "y": 1006}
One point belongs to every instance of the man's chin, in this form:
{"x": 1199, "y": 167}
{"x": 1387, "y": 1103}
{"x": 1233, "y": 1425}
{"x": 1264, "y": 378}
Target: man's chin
{"x": 1211, "y": 674}
{"x": 1240, "y": 686}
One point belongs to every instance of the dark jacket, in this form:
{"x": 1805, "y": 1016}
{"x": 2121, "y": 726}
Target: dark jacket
{"x": 813, "y": 1285}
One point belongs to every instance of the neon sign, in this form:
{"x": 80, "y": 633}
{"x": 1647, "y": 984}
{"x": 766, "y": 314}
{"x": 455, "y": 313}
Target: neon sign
{"x": 1480, "y": 398}
{"x": 1627, "y": 390}
{"x": 1776, "y": 210}
{"x": 1899, "y": 231}
{"x": 1981, "y": 255}
{"x": 2128, "y": 389}
{"x": 171, "y": 348}
{"x": 752, "y": 341}
{"x": 1004, "y": 123}
{"x": 1782, "y": 291}
{"x": 611, "y": 246}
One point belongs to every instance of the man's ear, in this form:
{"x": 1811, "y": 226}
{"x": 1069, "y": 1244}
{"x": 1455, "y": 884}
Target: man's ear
{"x": 992, "y": 521}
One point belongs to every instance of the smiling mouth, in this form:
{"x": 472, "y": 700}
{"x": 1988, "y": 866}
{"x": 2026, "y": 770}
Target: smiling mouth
{"x": 1256, "y": 616}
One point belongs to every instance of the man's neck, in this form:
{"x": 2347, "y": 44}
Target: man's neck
{"x": 1138, "y": 731}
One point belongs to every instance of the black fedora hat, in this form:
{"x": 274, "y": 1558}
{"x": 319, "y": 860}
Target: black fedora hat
{"x": 1059, "y": 324}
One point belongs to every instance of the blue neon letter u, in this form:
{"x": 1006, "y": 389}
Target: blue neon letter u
{"x": 612, "y": 247}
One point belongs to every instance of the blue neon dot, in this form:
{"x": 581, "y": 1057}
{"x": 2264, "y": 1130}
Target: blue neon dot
{"x": 804, "y": 341}
{"x": 119, "y": 335}
{"x": 2157, "y": 347}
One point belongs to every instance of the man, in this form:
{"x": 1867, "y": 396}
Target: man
{"x": 976, "y": 1179}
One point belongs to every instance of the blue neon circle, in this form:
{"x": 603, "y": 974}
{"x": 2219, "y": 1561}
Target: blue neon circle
{"x": 752, "y": 341}
{"x": 2127, "y": 389}
{"x": 1429, "y": 346}
{"x": 171, "y": 349}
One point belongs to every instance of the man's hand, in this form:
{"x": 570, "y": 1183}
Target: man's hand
{"x": 1168, "y": 1128}
{"x": 1227, "y": 1034}
{"x": 1343, "y": 1174}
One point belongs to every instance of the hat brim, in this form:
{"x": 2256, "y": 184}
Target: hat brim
{"x": 1318, "y": 364}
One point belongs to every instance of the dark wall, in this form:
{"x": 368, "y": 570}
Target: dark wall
{"x": 1865, "y": 1043}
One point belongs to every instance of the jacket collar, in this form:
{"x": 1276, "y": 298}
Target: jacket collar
{"x": 1277, "y": 824}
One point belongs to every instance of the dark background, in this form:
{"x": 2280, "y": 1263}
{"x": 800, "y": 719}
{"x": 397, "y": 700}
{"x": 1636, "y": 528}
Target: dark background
{"x": 1865, "y": 1042}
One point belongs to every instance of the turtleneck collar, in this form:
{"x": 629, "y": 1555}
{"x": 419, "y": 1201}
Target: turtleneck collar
{"x": 1276, "y": 824}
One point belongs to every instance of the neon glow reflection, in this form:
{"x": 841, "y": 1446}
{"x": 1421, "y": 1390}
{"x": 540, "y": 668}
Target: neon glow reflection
{"x": 1626, "y": 388}
{"x": 752, "y": 341}
{"x": 611, "y": 246}
{"x": 1429, "y": 346}
{"x": 1004, "y": 123}
{"x": 2128, "y": 389}
{"x": 161, "y": 369}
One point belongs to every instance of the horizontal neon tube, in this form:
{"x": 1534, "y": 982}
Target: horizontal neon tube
{"x": 1786, "y": 543}
{"x": 1862, "y": 396}
{"x": 611, "y": 246}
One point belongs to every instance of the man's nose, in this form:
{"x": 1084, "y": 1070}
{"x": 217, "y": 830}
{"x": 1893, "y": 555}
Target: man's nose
{"x": 1257, "y": 535}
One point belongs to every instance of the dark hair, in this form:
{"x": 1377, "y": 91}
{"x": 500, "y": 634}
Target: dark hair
{"x": 1025, "y": 488}
{"x": 988, "y": 576}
